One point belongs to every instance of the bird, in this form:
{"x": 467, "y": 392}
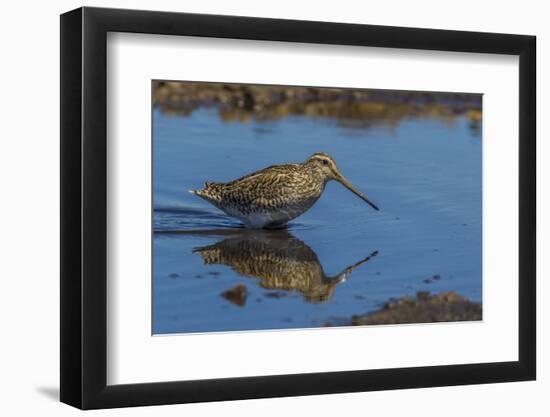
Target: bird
{"x": 273, "y": 196}
{"x": 279, "y": 260}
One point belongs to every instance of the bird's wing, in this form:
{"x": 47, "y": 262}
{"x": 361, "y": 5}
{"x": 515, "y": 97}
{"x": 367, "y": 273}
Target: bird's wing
{"x": 266, "y": 175}
{"x": 267, "y": 183}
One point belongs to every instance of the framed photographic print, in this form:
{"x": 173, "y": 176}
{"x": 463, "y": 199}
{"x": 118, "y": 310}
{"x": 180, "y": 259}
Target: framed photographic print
{"x": 259, "y": 207}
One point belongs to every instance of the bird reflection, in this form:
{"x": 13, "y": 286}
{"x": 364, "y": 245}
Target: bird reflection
{"x": 279, "y": 260}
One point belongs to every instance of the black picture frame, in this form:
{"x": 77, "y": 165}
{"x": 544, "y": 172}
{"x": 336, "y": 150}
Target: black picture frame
{"x": 84, "y": 207}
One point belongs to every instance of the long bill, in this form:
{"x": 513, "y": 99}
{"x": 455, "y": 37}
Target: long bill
{"x": 355, "y": 191}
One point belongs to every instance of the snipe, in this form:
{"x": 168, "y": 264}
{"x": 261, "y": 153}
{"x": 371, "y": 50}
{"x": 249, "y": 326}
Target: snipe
{"x": 271, "y": 197}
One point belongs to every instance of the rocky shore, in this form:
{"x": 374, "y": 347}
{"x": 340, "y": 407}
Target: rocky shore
{"x": 243, "y": 102}
{"x": 423, "y": 308}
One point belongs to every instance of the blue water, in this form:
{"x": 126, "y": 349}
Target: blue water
{"x": 425, "y": 175}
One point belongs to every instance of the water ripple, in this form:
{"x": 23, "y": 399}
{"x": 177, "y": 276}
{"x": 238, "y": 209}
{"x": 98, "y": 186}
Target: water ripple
{"x": 166, "y": 219}
{"x": 174, "y": 219}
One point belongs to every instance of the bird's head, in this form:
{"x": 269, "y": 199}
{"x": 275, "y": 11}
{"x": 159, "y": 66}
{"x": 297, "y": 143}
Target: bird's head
{"x": 326, "y": 165}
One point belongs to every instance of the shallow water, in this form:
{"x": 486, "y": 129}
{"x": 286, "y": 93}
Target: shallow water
{"x": 425, "y": 175}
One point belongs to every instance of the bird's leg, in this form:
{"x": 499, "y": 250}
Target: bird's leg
{"x": 276, "y": 225}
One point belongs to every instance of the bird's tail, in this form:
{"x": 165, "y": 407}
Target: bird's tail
{"x": 207, "y": 192}
{"x": 200, "y": 193}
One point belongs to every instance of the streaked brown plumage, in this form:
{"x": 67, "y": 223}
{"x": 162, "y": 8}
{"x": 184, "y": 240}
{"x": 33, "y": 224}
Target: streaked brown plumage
{"x": 277, "y": 194}
{"x": 279, "y": 260}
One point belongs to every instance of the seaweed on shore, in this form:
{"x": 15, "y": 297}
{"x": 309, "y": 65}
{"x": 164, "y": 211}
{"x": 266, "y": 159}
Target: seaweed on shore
{"x": 350, "y": 107}
{"x": 423, "y": 308}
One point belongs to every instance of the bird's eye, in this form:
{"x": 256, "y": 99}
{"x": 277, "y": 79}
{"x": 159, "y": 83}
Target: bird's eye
{"x": 325, "y": 162}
